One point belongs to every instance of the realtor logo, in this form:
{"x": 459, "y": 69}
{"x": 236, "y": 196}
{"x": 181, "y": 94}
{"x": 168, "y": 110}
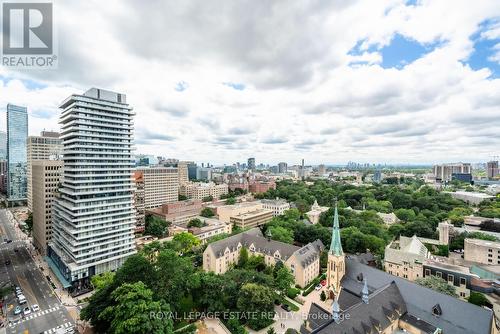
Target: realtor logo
{"x": 28, "y": 35}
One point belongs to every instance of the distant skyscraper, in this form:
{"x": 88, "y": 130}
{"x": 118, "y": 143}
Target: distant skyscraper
{"x": 3, "y": 145}
{"x": 321, "y": 169}
{"x": 192, "y": 169}
{"x": 282, "y": 167}
{"x": 492, "y": 169}
{"x": 251, "y": 163}
{"x": 17, "y": 134}
{"x": 47, "y": 146}
{"x": 93, "y": 215}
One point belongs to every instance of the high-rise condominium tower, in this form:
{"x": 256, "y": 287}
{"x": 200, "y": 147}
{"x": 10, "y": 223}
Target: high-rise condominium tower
{"x": 17, "y": 132}
{"x": 94, "y": 217}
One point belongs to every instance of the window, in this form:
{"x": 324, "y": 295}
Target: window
{"x": 450, "y": 278}
{"x": 436, "y": 310}
{"x": 427, "y": 272}
{"x": 462, "y": 281}
{"x": 439, "y": 274}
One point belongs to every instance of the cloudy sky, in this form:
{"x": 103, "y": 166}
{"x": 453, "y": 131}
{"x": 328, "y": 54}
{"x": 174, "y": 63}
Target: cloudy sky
{"x": 328, "y": 81}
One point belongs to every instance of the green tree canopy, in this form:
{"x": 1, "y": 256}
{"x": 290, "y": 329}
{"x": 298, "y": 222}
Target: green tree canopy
{"x": 437, "y": 284}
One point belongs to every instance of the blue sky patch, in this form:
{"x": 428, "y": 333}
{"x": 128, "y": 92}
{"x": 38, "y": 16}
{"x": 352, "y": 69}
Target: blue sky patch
{"x": 28, "y": 83}
{"x": 181, "y": 86}
{"x": 484, "y": 49}
{"x": 234, "y": 85}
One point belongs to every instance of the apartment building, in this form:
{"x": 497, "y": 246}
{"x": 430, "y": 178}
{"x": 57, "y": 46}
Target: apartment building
{"x": 252, "y": 219}
{"x": 277, "y": 206}
{"x": 405, "y": 258}
{"x": 139, "y": 202}
{"x": 47, "y": 146}
{"x": 94, "y": 215}
{"x": 17, "y": 133}
{"x": 482, "y": 251}
{"x": 182, "y": 167}
{"x": 46, "y": 176}
{"x": 303, "y": 262}
{"x": 200, "y": 190}
{"x": 445, "y": 172}
{"x": 161, "y": 185}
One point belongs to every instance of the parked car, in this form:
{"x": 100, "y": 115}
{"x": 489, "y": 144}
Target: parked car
{"x": 19, "y": 292}
{"x": 35, "y": 308}
{"x": 16, "y": 250}
{"x": 286, "y": 307}
{"x": 26, "y": 311}
{"x": 8, "y": 241}
{"x": 318, "y": 287}
{"x": 17, "y": 310}
{"x": 8, "y": 262}
{"x": 21, "y": 299}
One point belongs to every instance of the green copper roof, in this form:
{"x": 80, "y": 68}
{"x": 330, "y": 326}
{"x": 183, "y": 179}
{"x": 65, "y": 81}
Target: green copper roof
{"x": 336, "y": 245}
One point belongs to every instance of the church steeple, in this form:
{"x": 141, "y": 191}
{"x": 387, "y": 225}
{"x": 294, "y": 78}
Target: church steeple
{"x": 336, "y": 244}
{"x": 336, "y": 260}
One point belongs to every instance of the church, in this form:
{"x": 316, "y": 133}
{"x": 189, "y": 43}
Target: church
{"x": 364, "y": 300}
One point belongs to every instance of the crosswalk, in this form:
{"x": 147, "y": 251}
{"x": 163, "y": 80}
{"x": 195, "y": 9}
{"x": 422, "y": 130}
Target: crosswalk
{"x": 54, "y": 330}
{"x": 34, "y": 315}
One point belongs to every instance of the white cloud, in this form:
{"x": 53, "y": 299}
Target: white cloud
{"x": 302, "y": 96}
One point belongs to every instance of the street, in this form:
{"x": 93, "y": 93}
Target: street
{"x": 24, "y": 273}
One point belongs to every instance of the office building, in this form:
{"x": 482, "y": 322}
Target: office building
{"x": 321, "y": 170}
{"x": 257, "y": 187}
{"x": 492, "y": 169}
{"x": 251, "y": 164}
{"x": 203, "y": 191}
{"x": 146, "y": 160}
{"x": 192, "y": 169}
{"x": 177, "y": 212}
{"x": 3, "y": 145}
{"x": 3, "y": 176}
{"x": 46, "y": 180}
{"x": 303, "y": 262}
{"x": 277, "y": 206}
{"x": 17, "y": 134}
{"x": 94, "y": 215}
{"x": 161, "y": 185}
{"x": 44, "y": 147}
{"x": 282, "y": 167}
{"x": 462, "y": 177}
{"x": 252, "y": 218}
{"x": 204, "y": 173}
{"x": 444, "y": 172}
{"x": 139, "y": 202}
{"x": 182, "y": 168}
{"x": 482, "y": 251}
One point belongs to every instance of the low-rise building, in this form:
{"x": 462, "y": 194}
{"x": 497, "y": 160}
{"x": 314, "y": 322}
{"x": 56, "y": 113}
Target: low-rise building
{"x": 200, "y": 190}
{"x": 470, "y": 197}
{"x": 277, "y": 206}
{"x": 225, "y": 212}
{"x": 315, "y": 212}
{"x": 482, "y": 251}
{"x": 388, "y": 218}
{"x": 303, "y": 262}
{"x": 211, "y": 227}
{"x": 257, "y": 187}
{"x": 252, "y": 219}
{"x": 455, "y": 275}
{"x": 405, "y": 258}
{"x": 178, "y": 212}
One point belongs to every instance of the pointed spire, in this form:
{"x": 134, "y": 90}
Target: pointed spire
{"x": 336, "y": 311}
{"x": 336, "y": 245}
{"x": 365, "y": 293}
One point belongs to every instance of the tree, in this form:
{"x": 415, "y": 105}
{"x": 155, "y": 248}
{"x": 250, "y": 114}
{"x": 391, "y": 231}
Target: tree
{"x": 210, "y": 296}
{"x": 208, "y": 198}
{"x": 155, "y": 226}
{"x": 479, "y": 299}
{"x": 102, "y": 280}
{"x": 257, "y": 299}
{"x": 98, "y": 302}
{"x": 182, "y": 197}
{"x": 284, "y": 279}
{"x": 322, "y": 296}
{"x": 132, "y": 311}
{"x": 243, "y": 259}
{"x": 405, "y": 215}
{"x": 281, "y": 234}
{"x": 136, "y": 268}
{"x": 230, "y": 201}
{"x": 207, "y": 213}
{"x": 271, "y": 331}
{"x": 29, "y": 222}
{"x": 437, "y": 284}
{"x": 184, "y": 242}
{"x": 195, "y": 222}
{"x": 256, "y": 263}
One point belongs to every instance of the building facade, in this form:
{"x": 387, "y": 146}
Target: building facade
{"x": 44, "y": 147}
{"x": 182, "y": 168}
{"x": 94, "y": 216}
{"x": 252, "y": 218}
{"x": 282, "y": 167}
{"x": 139, "y": 202}
{"x": 197, "y": 190}
{"x": 405, "y": 258}
{"x": 251, "y": 163}
{"x": 17, "y": 134}
{"x": 177, "y": 212}
{"x": 444, "y": 172}
{"x": 492, "y": 169}
{"x": 161, "y": 185}
{"x": 303, "y": 262}
{"x": 482, "y": 251}
{"x": 46, "y": 180}
{"x": 277, "y": 206}
{"x": 3, "y": 145}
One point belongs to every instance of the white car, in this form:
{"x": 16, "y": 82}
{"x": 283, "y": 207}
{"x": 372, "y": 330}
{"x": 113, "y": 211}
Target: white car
{"x": 35, "y": 308}
{"x": 318, "y": 287}
{"x": 26, "y": 311}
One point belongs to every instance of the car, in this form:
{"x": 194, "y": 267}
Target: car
{"x": 318, "y": 287}
{"x": 21, "y": 299}
{"x": 16, "y": 250}
{"x": 8, "y": 262}
{"x": 70, "y": 331}
{"x": 19, "y": 292}
{"x": 26, "y": 311}
{"x": 286, "y": 307}
{"x": 17, "y": 310}
{"x": 35, "y": 308}
{"x": 18, "y": 289}
{"x": 8, "y": 241}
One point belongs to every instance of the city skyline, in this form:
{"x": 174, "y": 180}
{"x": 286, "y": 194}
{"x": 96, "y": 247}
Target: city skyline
{"x": 378, "y": 85}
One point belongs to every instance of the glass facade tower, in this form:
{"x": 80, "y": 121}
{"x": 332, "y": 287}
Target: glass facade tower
{"x": 17, "y": 134}
{"x": 93, "y": 213}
